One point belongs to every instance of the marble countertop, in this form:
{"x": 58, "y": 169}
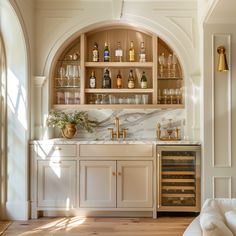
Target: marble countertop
{"x": 108, "y": 141}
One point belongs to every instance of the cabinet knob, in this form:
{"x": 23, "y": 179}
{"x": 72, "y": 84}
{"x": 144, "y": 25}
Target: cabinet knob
{"x": 114, "y": 173}
{"x": 57, "y": 148}
{"x": 119, "y": 173}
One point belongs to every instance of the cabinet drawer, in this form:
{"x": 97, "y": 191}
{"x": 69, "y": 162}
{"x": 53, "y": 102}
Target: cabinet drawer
{"x": 53, "y": 150}
{"x": 116, "y": 150}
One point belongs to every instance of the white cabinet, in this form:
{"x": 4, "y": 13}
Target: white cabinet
{"x": 71, "y": 179}
{"x": 121, "y": 184}
{"x": 56, "y": 184}
{"x": 134, "y": 184}
{"x": 97, "y": 184}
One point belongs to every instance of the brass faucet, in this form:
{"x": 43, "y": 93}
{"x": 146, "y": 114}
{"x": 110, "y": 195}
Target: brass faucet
{"x": 117, "y": 133}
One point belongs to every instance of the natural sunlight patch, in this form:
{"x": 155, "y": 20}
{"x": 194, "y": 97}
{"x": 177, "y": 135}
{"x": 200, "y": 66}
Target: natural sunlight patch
{"x": 65, "y": 224}
{"x": 17, "y": 98}
{"x": 56, "y": 167}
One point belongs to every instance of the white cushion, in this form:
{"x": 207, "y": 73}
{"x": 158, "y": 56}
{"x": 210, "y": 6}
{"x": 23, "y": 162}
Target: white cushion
{"x": 212, "y": 221}
{"x": 213, "y": 226}
{"x": 230, "y": 217}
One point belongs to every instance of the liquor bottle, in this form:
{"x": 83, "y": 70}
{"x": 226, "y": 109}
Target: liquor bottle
{"x": 106, "y": 53}
{"x": 106, "y": 82}
{"x": 95, "y": 52}
{"x": 143, "y": 82}
{"x": 131, "y": 51}
{"x": 92, "y": 81}
{"x": 119, "y": 80}
{"x": 142, "y": 53}
{"x": 131, "y": 80}
{"x": 119, "y": 53}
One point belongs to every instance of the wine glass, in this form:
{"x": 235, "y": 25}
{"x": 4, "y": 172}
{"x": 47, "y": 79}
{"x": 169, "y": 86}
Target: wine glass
{"x": 75, "y": 75}
{"x": 62, "y": 74}
{"x": 161, "y": 62}
{"x": 69, "y": 74}
{"x": 178, "y": 94}
{"x": 171, "y": 94}
{"x": 169, "y": 63}
{"x": 174, "y": 62}
{"x": 165, "y": 93}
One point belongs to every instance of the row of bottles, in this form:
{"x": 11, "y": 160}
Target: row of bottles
{"x": 106, "y": 81}
{"x": 119, "y": 53}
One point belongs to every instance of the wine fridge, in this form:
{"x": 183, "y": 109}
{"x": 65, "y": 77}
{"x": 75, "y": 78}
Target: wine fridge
{"x": 178, "y": 178}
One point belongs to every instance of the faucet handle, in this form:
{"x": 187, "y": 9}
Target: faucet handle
{"x": 124, "y": 133}
{"x": 112, "y": 134}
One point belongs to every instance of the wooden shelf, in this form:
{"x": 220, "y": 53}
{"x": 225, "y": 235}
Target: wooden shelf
{"x": 170, "y": 78}
{"x": 113, "y": 106}
{"x": 119, "y": 64}
{"x": 133, "y": 91}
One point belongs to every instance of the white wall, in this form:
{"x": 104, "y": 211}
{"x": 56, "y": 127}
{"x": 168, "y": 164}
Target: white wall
{"x": 219, "y": 113}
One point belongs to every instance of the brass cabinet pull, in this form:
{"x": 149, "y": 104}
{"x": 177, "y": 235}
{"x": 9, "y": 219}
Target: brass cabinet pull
{"x": 119, "y": 173}
{"x": 56, "y": 162}
{"x": 114, "y": 173}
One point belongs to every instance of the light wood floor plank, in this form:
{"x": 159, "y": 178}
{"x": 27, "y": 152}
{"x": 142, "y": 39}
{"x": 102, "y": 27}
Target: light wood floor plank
{"x": 163, "y": 226}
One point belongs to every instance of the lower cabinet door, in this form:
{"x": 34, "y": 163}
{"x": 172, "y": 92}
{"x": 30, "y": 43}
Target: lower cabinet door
{"x": 134, "y": 184}
{"x": 98, "y": 184}
{"x": 57, "y": 184}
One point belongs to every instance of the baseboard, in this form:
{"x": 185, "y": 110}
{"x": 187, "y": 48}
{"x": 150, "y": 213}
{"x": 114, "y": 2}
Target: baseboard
{"x": 17, "y": 210}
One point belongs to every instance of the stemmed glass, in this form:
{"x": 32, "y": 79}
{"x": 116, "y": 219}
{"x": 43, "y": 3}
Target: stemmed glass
{"x": 69, "y": 74}
{"x": 165, "y": 93}
{"x": 171, "y": 93}
{"x": 62, "y": 74}
{"x": 162, "y": 62}
{"x": 174, "y": 62}
{"x": 178, "y": 94}
{"x": 75, "y": 75}
{"x": 169, "y": 63}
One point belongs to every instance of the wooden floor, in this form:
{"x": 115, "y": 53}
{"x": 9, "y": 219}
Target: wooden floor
{"x": 163, "y": 226}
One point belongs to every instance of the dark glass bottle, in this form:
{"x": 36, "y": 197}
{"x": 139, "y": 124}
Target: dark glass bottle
{"x": 143, "y": 81}
{"x": 106, "y": 53}
{"x": 106, "y": 82}
{"x": 92, "y": 80}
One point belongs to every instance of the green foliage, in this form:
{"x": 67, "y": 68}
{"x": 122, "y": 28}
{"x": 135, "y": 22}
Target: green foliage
{"x": 80, "y": 118}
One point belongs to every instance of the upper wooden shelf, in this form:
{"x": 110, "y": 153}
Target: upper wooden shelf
{"x": 119, "y": 64}
{"x": 118, "y": 106}
{"x": 118, "y": 91}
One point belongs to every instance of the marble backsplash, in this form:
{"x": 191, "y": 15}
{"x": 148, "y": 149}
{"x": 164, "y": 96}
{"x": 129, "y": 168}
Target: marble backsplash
{"x": 141, "y": 123}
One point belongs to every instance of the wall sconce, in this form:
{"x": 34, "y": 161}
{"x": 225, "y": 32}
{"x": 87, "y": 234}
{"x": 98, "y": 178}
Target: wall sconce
{"x": 222, "y": 63}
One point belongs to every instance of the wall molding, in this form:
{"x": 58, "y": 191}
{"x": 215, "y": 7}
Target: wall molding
{"x": 225, "y": 40}
{"x": 215, "y": 178}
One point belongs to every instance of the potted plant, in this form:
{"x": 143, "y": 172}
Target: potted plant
{"x": 69, "y": 121}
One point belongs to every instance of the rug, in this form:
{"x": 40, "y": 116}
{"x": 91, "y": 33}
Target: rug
{"x": 4, "y": 224}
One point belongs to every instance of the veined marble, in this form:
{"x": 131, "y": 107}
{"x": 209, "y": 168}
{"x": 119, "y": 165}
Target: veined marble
{"x": 58, "y": 141}
{"x": 141, "y": 124}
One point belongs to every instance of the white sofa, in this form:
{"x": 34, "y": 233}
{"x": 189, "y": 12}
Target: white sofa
{"x": 217, "y": 218}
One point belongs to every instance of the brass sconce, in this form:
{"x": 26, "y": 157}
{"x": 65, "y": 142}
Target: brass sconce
{"x": 222, "y": 63}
